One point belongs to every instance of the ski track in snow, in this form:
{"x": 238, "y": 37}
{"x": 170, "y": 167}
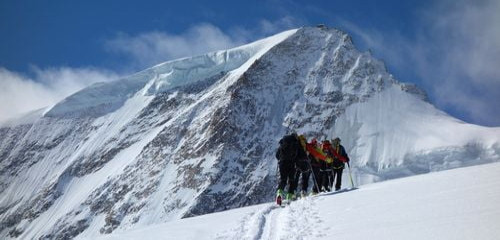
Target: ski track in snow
{"x": 297, "y": 220}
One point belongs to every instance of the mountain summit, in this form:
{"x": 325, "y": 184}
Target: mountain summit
{"x": 198, "y": 135}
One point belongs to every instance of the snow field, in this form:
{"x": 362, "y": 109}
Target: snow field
{"x": 454, "y": 204}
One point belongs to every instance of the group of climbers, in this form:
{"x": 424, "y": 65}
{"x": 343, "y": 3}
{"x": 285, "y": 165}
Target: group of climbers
{"x": 299, "y": 159}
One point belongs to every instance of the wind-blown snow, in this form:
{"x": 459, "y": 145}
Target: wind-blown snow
{"x": 454, "y": 204}
{"x": 23, "y": 119}
{"x": 103, "y": 98}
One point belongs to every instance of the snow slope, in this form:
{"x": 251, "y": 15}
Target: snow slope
{"x": 453, "y": 204}
{"x": 395, "y": 134}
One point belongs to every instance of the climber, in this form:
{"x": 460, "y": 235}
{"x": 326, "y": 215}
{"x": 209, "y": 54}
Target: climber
{"x": 316, "y": 157}
{"x": 326, "y": 169}
{"x": 303, "y": 167}
{"x": 287, "y": 155}
{"x": 339, "y": 159}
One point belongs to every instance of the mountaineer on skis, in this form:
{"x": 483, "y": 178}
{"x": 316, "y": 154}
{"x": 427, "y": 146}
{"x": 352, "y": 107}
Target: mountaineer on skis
{"x": 287, "y": 154}
{"x": 327, "y": 167}
{"x": 339, "y": 159}
{"x": 316, "y": 157}
{"x": 303, "y": 167}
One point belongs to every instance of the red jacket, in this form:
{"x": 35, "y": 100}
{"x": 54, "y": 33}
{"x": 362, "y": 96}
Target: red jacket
{"x": 333, "y": 151}
{"x": 316, "y": 152}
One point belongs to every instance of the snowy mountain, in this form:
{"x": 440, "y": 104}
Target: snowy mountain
{"x": 454, "y": 204}
{"x": 198, "y": 135}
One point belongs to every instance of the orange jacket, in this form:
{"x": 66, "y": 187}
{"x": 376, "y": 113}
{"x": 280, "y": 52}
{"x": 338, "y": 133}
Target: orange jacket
{"x": 334, "y": 152}
{"x": 313, "y": 150}
{"x": 317, "y": 152}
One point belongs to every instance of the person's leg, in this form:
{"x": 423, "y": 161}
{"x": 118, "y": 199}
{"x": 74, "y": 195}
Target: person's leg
{"x": 296, "y": 178}
{"x": 334, "y": 174}
{"x": 328, "y": 179}
{"x": 320, "y": 179}
{"x": 324, "y": 184}
{"x": 316, "y": 179}
{"x": 283, "y": 176}
{"x": 291, "y": 179}
{"x": 305, "y": 180}
{"x": 339, "y": 179}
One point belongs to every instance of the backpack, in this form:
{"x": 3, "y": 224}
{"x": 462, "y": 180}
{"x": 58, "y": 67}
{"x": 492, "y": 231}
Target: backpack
{"x": 337, "y": 163}
{"x": 288, "y": 149}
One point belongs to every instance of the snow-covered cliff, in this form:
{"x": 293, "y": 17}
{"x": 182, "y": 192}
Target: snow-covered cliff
{"x": 198, "y": 135}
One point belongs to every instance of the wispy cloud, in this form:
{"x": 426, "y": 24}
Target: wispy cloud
{"x": 266, "y": 27}
{"x": 279, "y": 25}
{"x": 466, "y": 73}
{"x": 20, "y": 93}
{"x": 150, "y": 48}
{"x": 455, "y": 54}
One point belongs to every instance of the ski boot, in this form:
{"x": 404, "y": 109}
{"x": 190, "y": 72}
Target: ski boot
{"x": 290, "y": 197}
{"x": 279, "y": 196}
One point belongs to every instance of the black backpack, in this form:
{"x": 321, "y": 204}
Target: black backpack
{"x": 288, "y": 149}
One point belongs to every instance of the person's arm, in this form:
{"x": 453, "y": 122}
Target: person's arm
{"x": 318, "y": 154}
{"x": 339, "y": 155}
{"x": 344, "y": 154}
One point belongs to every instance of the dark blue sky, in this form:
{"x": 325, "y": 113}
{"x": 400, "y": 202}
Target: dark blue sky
{"x": 418, "y": 40}
{"x": 73, "y": 33}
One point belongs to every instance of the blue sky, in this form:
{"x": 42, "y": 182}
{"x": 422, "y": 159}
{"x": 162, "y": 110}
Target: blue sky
{"x": 50, "y": 49}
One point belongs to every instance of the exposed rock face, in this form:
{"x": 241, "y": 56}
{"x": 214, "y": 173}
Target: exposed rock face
{"x": 186, "y": 137}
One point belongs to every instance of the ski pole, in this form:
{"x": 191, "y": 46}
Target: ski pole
{"x": 350, "y": 175}
{"x": 314, "y": 177}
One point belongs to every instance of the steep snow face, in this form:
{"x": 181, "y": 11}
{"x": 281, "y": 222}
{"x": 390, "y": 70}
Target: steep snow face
{"x": 395, "y": 134}
{"x": 191, "y": 70}
{"x": 198, "y": 135}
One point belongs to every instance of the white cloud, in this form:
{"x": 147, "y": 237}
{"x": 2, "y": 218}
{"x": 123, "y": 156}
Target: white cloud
{"x": 20, "y": 94}
{"x": 149, "y": 48}
{"x": 456, "y": 53}
{"x": 467, "y": 74}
